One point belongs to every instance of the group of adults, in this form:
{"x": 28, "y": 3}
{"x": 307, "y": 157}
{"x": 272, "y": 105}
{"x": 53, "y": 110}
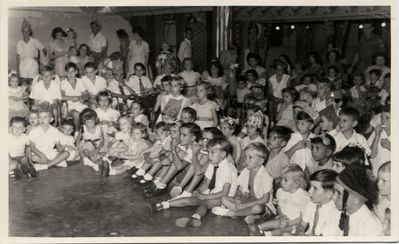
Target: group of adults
{"x": 31, "y": 52}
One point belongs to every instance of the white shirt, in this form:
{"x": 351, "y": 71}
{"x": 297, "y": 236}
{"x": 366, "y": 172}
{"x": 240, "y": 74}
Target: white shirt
{"x": 274, "y": 165}
{"x": 364, "y": 223}
{"x": 96, "y": 43}
{"x": 67, "y": 140}
{"x": 205, "y": 113}
{"x": 45, "y": 141}
{"x": 16, "y": 145}
{"x": 302, "y": 157}
{"x": 383, "y": 154}
{"x": 95, "y": 87}
{"x": 68, "y": 90}
{"x": 134, "y": 83}
{"x": 328, "y": 222}
{"x": 355, "y": 140}
{"x": 110, "y": 115}
{"x": 292, "y": 204}
{"x": 27, "y": 52}
{"x": 190, "y": 77}
{"x": 41, "y": 93}
{"x": 225, "y": 174}
{"x": 185, "y": 50}
{"x": 241, "y": 93}
{"x": 142, "y": 118}
{"x": 122, "y": 136}
{"x": 278, "y": 86}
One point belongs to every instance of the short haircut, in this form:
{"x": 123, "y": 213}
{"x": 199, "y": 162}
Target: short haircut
{"x": 350, "y": 111}
{"x": 350, "y": 155}
{"x": 57, "y": 30}
{"x": 162, "y": 126}
{"x": 296, "y": 172}
{"x": 260, "y": 148}
{"x": 325, "y": 81}
{"x": 69, "y": 122}
{"x": 377, "y": 72}
{"x": 47, "y": 68}
{"x": 142, "y": 128}
{"x": 194, "y": 129}
{"x": 294, "y": 93}
{"x": 34, "y": 111}
{"x": 330, "y": 143}
{"x": 121, "y": 33}
{"x": 283, "y": 132}
{"x": 188, "y": 29}
{"x": 90, "y": 65}
{"x": 253, "y": 55}
{"x": 71, "y": 65}
{"x": 385, "y": 167}
{"x": 253, "y": 72}
{"x": 223, "y": 143}
{"x": 179, "y": 80}
{"x": 103, "y": 93}
{"x": 218, "y": 66}
{"x": 18, "y": 119}
{"x": 210, "y": 90}
{"x": 301, "y": 115}
{"x": 326, "y": 177}
{"x": 216, "y": 133}
{"x": 192, "y": 112}
{"x": 167, "y": 78}
{"x": 86, "y": 46}
{"x": 333, "y": 67}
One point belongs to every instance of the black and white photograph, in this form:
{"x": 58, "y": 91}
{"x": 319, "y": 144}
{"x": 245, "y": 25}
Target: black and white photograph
{"x": 260, "y": 121}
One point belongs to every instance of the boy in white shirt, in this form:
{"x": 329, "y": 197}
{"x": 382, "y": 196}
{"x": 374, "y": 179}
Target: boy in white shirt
{"x": 348, "y": 120}
{"x": 47, "y": 90}
{"x": 94, "y": 83}
{"x": 353, "y": 190}
{"x": 321, "y": 217}
{"x": 219, "y": 181}
{"x": 43, "y": 140}
{"x": 277, "y": 140}
{"x": 67, "y": 141}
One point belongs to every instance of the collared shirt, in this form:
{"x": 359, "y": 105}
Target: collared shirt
{"x": 134, "y": 83}
{"x": 185, "y": 50}
{"x": 95, "y": 87}
{"x": 355, "y": 140}
{"x": 97, "y": 42}
{"x": 225, "y": 174}
{"x": 45, "y": 141}
{"x": 328, "y": 221}
{"x": 364, "y": 223}
{"x": 41, "y": 93}
{"x": 302, "y": 157}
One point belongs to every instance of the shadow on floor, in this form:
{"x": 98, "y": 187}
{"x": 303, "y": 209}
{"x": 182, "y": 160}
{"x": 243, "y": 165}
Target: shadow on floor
{"x": 77, "y": 202}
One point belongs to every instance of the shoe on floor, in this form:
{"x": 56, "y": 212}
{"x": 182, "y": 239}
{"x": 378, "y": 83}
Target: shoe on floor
{"x": 220, "y": 211}
{"x": 188, "y": 222}
{"x": 32, "y": 171}
{"x": 151, "y": 187}
{"x": 176, "y": 191}
{"x": 155, "y": 193}
{"x": 254, "y": 230}
{"x": 156, "y": 207}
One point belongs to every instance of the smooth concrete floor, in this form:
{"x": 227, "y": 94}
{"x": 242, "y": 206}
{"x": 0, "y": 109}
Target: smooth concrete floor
{"x": 77, "y": 202}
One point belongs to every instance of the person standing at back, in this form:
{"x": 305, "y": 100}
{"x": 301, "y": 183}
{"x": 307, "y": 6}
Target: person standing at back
{"x": 185, "y": 49}
{"x": 98, "y": 43}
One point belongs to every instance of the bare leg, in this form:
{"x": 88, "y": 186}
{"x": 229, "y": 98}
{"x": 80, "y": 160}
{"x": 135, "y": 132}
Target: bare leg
{"x": 185, "y": 201}
{"x": 154, "y": 169}
{"x": 208, "y": 204}
{"x": 194, "y": 183}
{"x": 270, "y": 225}
{"x": 172, "y": 171}
{"x": 187, "y": 177}
{"x": 75, "y": 117}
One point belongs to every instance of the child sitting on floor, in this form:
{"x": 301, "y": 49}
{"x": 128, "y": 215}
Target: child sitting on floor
{"x": 291, "y": 200}
{"x": 33, "y": 120}
{"x": 19, "y": 150}
{"x": 68, "y": 141}
{"x": 277, "y": 140}
{"x": 219, "y": 181}
{"x": 255, "y": 186}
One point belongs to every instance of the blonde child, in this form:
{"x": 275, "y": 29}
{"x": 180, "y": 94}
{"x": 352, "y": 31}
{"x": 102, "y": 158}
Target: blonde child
{"x": 43, "y": 140}
{"x": 154, "y": 154}
{"x": 133, "y": 156}
{"x": 219, "y": 181}
{"x": 121, "y": 139}
{"x": 47, "y": 90}
{"x": 255, "y": 186}
{"x": 291, "y": 200}
{"x": 90, "y": 140}
{"x": 107, "y": 116}
{"x": 383, "y": 208}
{"x": 174, "y": 102}
{"x": 298, "y": 148}
{"x": 191, "y": 78}
{"x": 165, "y": 90}
{"x": 19, "y": 150}
{"x": 230, "y": 127}
{"x": 205, "y": 106}
{"x": 16, "y": 98}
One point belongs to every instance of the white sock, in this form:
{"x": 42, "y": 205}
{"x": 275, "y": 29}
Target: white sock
{"x": 161, "y": 185}
{"x": 140, "y": 172}
{"x": 196, "y": 216}
{"x": 147, "y": 177}
{"x": 156, "y": 180}
{"x": 165, "y": 204}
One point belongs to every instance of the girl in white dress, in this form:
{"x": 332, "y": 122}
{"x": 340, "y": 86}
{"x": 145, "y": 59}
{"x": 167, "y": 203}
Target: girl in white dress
{"x": 16, "y": 97}
{"x": 58, "y": 51}
{"x": 138, "y": 52}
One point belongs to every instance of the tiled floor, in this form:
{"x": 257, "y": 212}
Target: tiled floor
{"x": 75, "y": 201}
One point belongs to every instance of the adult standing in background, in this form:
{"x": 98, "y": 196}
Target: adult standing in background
{"x": 139, "y": 51}
{"x": 58, "y": 51}
{"x": 98, "y": 43}
{"x": 185, "y": 49}
{"x": 28, "y": 49}
{"x": 124, "y": 46}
